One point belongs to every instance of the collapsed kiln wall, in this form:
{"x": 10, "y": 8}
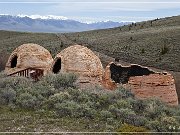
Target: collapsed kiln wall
{"x": 155, "y": 85}
{"x": 143, "y": 82}
{"x": 122, "y": 74}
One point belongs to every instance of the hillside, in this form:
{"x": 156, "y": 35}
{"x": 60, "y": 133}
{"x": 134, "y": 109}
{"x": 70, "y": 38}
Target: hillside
{"x": 155, "y": 44}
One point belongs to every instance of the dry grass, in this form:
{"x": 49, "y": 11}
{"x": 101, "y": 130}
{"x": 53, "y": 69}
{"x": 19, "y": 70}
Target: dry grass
{"x": 157, "y": 45}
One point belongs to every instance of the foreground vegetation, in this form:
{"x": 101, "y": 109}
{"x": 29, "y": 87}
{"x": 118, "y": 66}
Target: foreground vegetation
{"x": 55, "y": 103}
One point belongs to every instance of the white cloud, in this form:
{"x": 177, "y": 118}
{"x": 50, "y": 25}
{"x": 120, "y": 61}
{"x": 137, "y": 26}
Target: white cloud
{"x": 97, "y": 10}
{"x": 106, "y": 5}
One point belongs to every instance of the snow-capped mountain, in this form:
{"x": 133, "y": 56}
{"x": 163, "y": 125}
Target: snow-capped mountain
{"x": 48, "y": 17}
{"x": 51, "y": 23}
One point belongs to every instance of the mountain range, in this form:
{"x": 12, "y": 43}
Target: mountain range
{"x": 51, "y": 24}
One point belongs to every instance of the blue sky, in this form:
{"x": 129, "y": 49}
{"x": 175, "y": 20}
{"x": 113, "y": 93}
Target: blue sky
{"x": 94, "y": 10}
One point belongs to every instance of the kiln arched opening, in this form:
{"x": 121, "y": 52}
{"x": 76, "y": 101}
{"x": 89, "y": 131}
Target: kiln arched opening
{"x": 14, "y": 61}
{"x": 57, "y": 66}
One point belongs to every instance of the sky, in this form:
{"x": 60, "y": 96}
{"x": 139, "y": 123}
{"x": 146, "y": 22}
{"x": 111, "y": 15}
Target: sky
{"x": 94, "y": 10}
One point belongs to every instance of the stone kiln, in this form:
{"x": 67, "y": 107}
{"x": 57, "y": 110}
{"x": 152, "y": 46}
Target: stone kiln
{"x": 143, "y": 82}
{"x": 29, "y": 60}
{"x": 80, "y": 60}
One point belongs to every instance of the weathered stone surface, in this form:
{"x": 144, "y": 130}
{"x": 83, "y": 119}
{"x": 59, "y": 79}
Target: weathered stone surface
{"x": 155, "y": 85}
{"x": 160, "y": 85}
{"x": 30, "y": 56}
{"x": 81, "y": 60}
{"x": 107, "y": 82}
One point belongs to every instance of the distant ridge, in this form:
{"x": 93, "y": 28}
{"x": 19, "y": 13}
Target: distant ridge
{"x": 51, "y": 23}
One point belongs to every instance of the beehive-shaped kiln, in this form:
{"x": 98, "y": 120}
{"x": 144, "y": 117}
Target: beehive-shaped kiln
{"x": 78, "y": 59}
{"x": 29, "y": 59}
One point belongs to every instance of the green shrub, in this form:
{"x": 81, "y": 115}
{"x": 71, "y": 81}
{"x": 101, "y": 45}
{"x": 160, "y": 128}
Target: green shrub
{"x": 68, "y": 108}
{"x": 113, "y": 109}
{"x": 81, "y": 98}
{"x": 169, "y": 122}
{"x": 142, "y": 50}
{"x": 87, "y": 111}
{"x": 123, "y": 104}
{"x": 42, "y": 89}
{"x": 164, "y": 124}
{"x": 123, "y": 93}
{"x": 3, "y": 59}
{"x": 7, "y": 95}
{"x": 93, "y": 97}
{"x": 105, "y": 114}
{"x": 111, "y": 121}
{"x": 92, "y": 105}
{"x": 2, "y": 75}
{"x": 15, "y": 82}
{"x": 135, "y": 120}
{"x": 109, "y": 128}
{"x": 139, "y": 105}
{"x": 26, "y": 100}
{"x": 164, "y": 49}
{"x": 57, "y": 98}
{"x": 127, "y": 115}
{"x": 124, "y": 113}
{"x": 61, "y": 81}
{"x": 104, "y": 99}
{"x": 154, "y": 108}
